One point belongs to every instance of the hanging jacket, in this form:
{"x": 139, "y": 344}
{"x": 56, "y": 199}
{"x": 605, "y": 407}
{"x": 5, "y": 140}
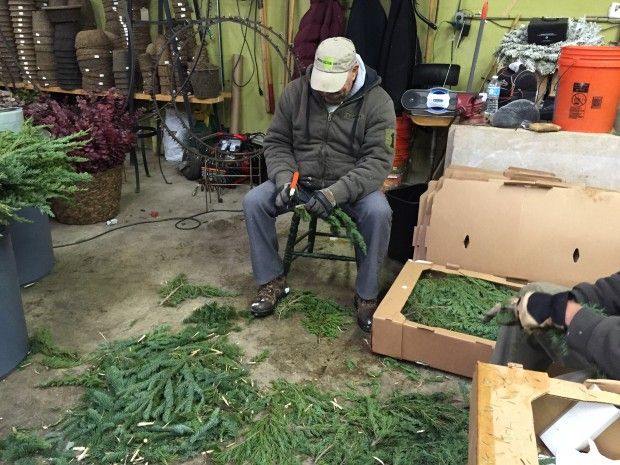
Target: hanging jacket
{"x": 323, "y": 20}
{"x": 349, "y": 150}
{"x": 365, "y": 28}
{"x": 400, "y": 51}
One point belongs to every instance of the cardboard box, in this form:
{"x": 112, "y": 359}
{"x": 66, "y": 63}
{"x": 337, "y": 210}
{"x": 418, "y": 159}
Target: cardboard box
{"x": 510, "y": 407}
{"x": 522, "y": 225}
{"x": 394, "y": 335}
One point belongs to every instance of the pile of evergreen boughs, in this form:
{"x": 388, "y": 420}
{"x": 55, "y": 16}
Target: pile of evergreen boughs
{"x": 167, "y": 396}
{"x": 35, "y": 169}
{"x": 339, "y": 223}
{"x": 456, "y": 303}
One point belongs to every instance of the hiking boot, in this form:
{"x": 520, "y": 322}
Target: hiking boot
{"x": 365, "y": 310}
{"x": 268, "y": 296}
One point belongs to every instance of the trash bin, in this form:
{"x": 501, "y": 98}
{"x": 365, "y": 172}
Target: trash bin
{"x": 13, "y": 334}
{"x": 32, "y": 246}
{"x": 404, "y": 202}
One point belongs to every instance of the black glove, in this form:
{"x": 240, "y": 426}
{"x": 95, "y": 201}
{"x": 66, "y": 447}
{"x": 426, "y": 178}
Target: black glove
{"x": 283, "y": 196}
{"x": 321, "y": 203}
{"x": 540, "y": 310}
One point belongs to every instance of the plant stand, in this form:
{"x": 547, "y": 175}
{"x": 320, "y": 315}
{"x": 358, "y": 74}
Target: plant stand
{"x": 13, "y": 333}
{"x": 32, "y": 246}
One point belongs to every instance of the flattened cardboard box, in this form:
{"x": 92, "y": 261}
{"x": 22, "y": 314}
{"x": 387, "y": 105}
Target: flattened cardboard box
{"x": 395, "y": 336}
{"x": 528, "y": 227}
{"x": 510, "y": 407}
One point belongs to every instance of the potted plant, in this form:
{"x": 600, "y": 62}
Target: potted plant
{"x": 34, "y": 169}
{"x": 109, "y": 127}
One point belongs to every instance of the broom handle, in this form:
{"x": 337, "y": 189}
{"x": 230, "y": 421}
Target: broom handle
{"x": 289, "y": 39}
{"x": 483, "y": 20}
{"x": 269, "y": 97}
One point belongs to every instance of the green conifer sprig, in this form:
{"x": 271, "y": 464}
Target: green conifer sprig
{"x": 338, "y": 221}
{"x": 35, "y": 169}
{"x": 178, "y": 290}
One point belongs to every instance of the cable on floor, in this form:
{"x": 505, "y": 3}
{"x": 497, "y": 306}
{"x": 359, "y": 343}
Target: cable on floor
{"x": 177, "y": 225}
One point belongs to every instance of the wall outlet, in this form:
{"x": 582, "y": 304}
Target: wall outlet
{"x": 614, "y": 10}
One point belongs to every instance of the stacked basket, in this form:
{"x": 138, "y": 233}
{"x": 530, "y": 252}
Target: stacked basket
{"x": 148, "y": 70}
{"x": 43, "y": 32}
{"x": 121, "y": 70}
{"x": 66, "y": 21}
{"x": 115, "y": 14}
{"x": 9, "y": 68}
{"x": 21, "y": 16}
{"x": 141, "y": 30}
{"x": 172, "y": 74}
{"x": 186, "y": 40}
{"x": 94, "y": 54}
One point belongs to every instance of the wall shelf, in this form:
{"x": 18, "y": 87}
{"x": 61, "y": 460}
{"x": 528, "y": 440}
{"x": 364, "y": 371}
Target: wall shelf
{"x": 136, "y": 96}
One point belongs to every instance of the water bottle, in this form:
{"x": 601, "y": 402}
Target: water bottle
{"x": 492, "y": 96}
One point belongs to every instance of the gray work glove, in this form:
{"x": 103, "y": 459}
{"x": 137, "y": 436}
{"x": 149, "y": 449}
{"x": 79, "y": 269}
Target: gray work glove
{"x": 283, "y": 196}
{"x": 535, "y": 310}
{"x": 321, "y": 203}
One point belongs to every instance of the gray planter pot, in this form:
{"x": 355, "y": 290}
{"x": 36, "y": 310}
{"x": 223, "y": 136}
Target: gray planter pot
{"x": 32, "y": 246}
{"x": 13, "y": 333}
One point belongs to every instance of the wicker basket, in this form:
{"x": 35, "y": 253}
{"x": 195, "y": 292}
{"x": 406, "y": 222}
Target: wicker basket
{"x": 99, "y": 201}
{"x": 206, "y": 82}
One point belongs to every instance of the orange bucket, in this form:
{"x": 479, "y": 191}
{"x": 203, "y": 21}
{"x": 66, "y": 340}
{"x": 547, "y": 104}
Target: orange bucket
{"x": 588, "y": 88}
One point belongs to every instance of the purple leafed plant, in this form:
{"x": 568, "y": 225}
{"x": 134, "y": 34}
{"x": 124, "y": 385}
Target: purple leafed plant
{"x": 104, "y": 117}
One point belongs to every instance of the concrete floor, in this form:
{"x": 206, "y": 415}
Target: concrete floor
{"x": 107, "y": 289}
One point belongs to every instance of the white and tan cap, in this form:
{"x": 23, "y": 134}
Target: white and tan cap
{"x": 333, "y": 60}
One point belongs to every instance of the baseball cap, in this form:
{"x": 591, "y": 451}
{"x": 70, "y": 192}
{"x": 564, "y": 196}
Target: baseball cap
{"x": 333, "y": 60}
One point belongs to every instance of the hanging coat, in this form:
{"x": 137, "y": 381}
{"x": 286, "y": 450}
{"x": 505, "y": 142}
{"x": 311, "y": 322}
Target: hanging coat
{"x": 323, "y": 20}
{"x": 400, "y": 50}
{"x": 366, "y": 25}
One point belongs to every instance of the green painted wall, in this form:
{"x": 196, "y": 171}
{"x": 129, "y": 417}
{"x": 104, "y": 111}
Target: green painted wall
{"x": 253, "y": 114}
{"x": 493, "y": 34}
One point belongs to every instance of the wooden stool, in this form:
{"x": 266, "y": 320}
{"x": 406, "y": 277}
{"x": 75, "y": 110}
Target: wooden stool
{"x": 291, "y": 253}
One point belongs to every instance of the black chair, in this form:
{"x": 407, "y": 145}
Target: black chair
{"x": 142, "y": 133}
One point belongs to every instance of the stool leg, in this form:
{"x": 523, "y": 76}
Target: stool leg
{"x": 134, "y": 160}
{"x": 312, "y": 234}
{"x": 146, "y": 166}
{"x": 290, "y": 243}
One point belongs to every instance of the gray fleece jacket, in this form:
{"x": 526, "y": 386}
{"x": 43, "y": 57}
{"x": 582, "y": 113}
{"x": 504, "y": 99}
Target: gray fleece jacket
{"x": 592, "y": 334}
{"x": 349, "y": 150}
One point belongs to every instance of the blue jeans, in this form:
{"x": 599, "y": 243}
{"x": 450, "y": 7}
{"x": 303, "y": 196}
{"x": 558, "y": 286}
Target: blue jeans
{"x": 373, "y": 217}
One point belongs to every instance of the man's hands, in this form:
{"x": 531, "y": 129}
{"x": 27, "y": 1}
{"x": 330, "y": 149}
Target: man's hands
{"x": 283, "y": 196}
{"x": 536, "y": 310}
{"x": 321, "y": 203}
{"x": 540, "y": 310}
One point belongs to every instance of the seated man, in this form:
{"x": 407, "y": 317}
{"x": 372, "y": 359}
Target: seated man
{"x": 590, "y": 315}
{"x": 335, "y": 126}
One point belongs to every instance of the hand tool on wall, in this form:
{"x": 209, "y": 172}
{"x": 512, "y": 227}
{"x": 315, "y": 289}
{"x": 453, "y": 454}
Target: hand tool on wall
{"x": 266, "y": 52}
{"x": 483, "y": 20}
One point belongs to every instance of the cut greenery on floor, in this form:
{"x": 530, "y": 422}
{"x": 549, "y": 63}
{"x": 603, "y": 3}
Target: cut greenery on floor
{"x": 166, "y": 396}
{"x": 179, "y": 289}
{"x": 322, "y": 317}
{"x": 456, "y": 303}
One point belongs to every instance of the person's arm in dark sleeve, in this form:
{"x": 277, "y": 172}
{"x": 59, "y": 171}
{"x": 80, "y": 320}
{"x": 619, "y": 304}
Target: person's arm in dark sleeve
{"x": 604, "y": 293}
{"x": 596, "y": 337}
{"x": 279, "y": 156}
{"x": 377, "y": 153}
